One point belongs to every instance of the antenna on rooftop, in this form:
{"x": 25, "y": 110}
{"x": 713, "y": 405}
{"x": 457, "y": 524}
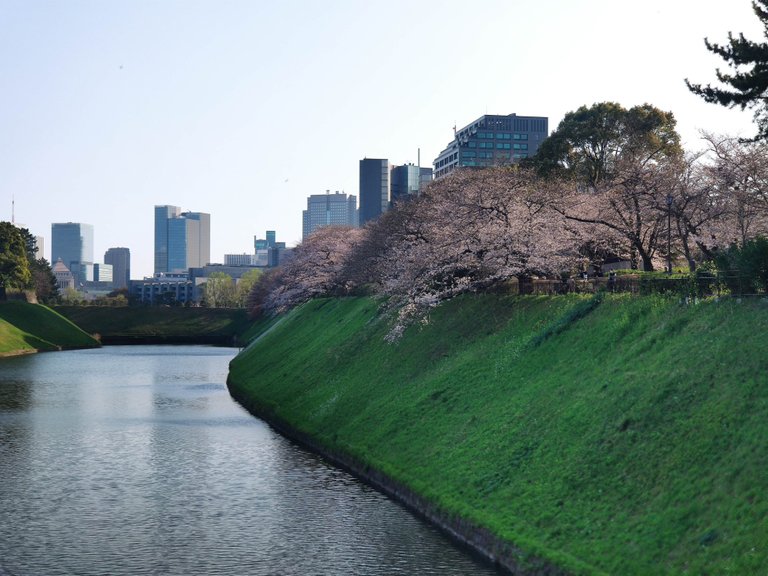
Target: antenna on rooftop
{"x": 13, "y": 209}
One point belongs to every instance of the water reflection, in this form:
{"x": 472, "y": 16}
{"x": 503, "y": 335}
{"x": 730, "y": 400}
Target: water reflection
{"x": 136, "y": 461}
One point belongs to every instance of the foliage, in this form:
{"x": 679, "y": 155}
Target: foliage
{"x": 14, "y": 265}
{"x": 219, "y": 291}
{"x": 72, "y": 297}
{"x": 43, "y": 280}
{"x": 315, "y": 269}
{"x": 610, "y": 184}
{"x": 747, "y": 84}
{"x": 631, "y": 442}
{"x": 244, "y": 286}
{"x": 471, "y": 230}
{"x": 592, "y": 144}
{"x": 745, "y": 267}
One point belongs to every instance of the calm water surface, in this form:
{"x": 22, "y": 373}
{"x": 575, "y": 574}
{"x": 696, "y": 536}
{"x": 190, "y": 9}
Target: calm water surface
{"x": 135, "y": 460}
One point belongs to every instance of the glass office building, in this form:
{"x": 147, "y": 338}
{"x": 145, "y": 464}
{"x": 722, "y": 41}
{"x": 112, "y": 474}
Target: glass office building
{"x": 182, "y": 240}
{"x": 72, "y": 243}
{"x": 492, "y": 141}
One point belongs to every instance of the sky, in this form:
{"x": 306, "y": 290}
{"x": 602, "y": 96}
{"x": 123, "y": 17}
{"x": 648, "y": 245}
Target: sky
{"x": 243, "y": 108}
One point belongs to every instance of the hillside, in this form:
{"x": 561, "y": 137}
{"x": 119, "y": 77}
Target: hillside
{"x": 26, "y": 328}
{"x": 622, "y": 436}
{"x": 160, "y": 325}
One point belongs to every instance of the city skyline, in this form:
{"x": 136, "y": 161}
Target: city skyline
{"x": 116, "y": 110}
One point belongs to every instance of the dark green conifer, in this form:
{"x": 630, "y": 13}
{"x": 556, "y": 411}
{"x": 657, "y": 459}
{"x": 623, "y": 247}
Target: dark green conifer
{"x": 746, "y": 86}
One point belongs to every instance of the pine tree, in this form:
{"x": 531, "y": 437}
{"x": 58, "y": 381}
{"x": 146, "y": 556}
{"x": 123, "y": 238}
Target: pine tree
{"x": 748, "y": 80}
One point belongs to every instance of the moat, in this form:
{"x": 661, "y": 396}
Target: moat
{"x": 135, "y": 460}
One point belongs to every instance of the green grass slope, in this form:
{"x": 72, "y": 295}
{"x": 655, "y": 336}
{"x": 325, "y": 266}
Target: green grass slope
{"x": 623, "y": 436}
{"x": 29, "y": 327}
{"x": 158, "y": 325}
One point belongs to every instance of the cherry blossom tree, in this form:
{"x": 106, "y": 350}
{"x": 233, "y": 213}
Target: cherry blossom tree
{"x": 314, "y": 270}
{"x": 469, "y": 231}
{"x": 737, "y": 174}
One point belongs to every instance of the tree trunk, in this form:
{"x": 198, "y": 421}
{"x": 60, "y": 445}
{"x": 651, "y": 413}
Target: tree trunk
{"x": 647, "y": 261}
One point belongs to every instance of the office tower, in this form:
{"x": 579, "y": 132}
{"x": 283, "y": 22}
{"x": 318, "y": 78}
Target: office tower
{"x": 408, "y": 180}
{"x": 337, "y": 209}
{"x": 40, "y": 245}
{"x": 374, "y": 188}
{"x": 182, "y": 239}
{"x": 72, "y": 243}
{"x": 492, "y": 140}
{"x": 120, "y": 259}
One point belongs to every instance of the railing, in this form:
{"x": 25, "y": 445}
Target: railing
{"x": 697, "y": 285}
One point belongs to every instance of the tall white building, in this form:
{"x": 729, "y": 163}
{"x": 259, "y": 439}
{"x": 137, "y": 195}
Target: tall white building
{"x": 337, "y": 209}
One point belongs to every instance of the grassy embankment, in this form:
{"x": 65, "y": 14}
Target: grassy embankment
{"x": 27, "y": 328}
{"x": 628, "y": 436}
{"x": 160, "y": 325}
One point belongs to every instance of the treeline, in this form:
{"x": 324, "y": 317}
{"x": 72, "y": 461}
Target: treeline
{"x": 20, "y": 270}
{"x": 609, "y": 184}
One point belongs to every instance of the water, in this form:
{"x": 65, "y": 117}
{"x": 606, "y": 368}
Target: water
{"x": 135, "y": 460}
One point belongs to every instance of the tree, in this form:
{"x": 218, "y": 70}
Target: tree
{"x": 471, "y": 230}
{"x": 736, "y": 175}
{"x": 14, "y": 265}
{"x": 618, "y": 168}
{"x": 748, "y": 81}
{"x": 219, "y": 291}
{"x": 244, "y": 287}
{"x": 591, "y": 144}
{"x": 315, "y": 269}
{"x": 43, "y": 280}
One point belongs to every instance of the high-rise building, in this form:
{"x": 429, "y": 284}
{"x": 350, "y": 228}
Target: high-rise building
{"x": 72, "y": 243}
{"x": 374, "y": 188}
{"x": 408, "y": 180}
{"x": 492, "y": 140}
{"x": 337, "y": 209}
{"x": 182, "y": 239}
{"x": 120, "y": 259}
{"x": 40, "y": 247}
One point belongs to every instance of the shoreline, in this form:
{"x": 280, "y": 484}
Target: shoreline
{"x": 477, "y": 539}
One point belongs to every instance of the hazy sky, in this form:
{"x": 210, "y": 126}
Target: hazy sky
{"x": 242, "y": 108}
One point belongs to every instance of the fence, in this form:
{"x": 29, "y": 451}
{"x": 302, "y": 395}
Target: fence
{"x": 697, "y": 285}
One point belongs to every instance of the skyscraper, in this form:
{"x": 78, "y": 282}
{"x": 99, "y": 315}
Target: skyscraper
{"x": 492, "y": 140}
{"x": 182, "y": 239}
{"x": 72, "y": 243}
{"x": 374, "y": 188}
{"x": 120, "y": 259}
{"x": 328, "y": 209}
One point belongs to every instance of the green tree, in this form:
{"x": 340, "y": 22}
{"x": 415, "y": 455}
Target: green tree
{"x": 14, "y": 265}
{"x": 244, "y": 286}
{"x": 747, "y": 84}
{"x": 219, "y": 291}
{"x": 43, "y": 280}
{"x": 592, "y": 143}
{"x": 746, "y": 267}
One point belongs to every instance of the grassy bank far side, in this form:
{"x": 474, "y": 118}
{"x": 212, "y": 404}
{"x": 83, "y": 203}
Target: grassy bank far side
{"x": 625, "y": 436}
{"x": 26, "y": 328}
{"x": 160, "y": 325}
